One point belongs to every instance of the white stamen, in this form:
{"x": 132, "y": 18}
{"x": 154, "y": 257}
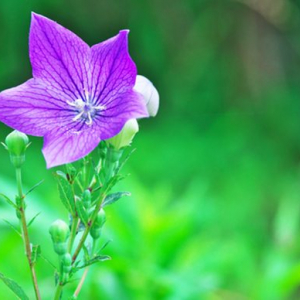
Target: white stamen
{"x": 85, "y": 109}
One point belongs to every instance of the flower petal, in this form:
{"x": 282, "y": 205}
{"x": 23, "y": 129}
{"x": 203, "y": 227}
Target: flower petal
{"x": 34, "y": 108}
{"x": 121, "y": 109}
{"x": 113, "y": 71}
{"x": 59, "y": 57}
{"x": 61, "y": 146}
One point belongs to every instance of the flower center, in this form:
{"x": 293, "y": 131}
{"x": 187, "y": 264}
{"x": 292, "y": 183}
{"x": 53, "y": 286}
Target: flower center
{"x": 86, "y": 111}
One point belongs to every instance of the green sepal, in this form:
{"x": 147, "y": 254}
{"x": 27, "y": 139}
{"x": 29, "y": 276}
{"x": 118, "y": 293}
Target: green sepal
{"x": 112, "y": 198}
{"x": 10, "y": 202}
{"x": 65, "y": 192}
{"x": 81, "y": 211}
{"x": 35, "y": 253}
{"x": 14, "y": 287}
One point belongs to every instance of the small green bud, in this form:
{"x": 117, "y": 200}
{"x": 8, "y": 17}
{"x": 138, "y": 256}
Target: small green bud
{"x": 59, "y": 231}
{"x": 66, "y": 262}
{"x": 126, "y": 135}
{"x": 87, "y": 199}
{"x": 100, "y": 219}
{"x": 66, "y": 266}
{"x": 16, "y": 143}
{"x": 98, "y": 224}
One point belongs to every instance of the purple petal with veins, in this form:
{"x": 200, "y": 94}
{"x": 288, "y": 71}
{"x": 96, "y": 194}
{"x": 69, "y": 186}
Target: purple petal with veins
{"x": 78, "y": 95}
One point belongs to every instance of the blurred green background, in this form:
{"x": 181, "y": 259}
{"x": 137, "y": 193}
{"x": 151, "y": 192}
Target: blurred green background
{"x": 215, "y": 179}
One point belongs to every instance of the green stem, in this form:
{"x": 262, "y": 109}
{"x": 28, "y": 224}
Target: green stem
{"x": 81, "y": 282}
{"x": 21, "y": 209}
{"x": 58, "y": 291}
{"x": 73, "y": 234}
{"x": 88, "y": 227}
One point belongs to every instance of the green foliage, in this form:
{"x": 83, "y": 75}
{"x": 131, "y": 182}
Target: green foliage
{"x": 66, "y": 193}
{"x": 112, "y": 198}
{"x": 13, "y": 286}
{"x": 215, "y": 178}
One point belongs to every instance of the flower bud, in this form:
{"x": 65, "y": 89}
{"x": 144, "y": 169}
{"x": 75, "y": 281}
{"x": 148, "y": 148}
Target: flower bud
{"x": 66, "y": 262}
{"x": 16, "y": 143}
{"x": 66, "y": 266}
{"x": 126, "y": 135}
{"x": 100, "y": 219}
{"x": 59, "y": 232}
{"x": 150, "y": 95}
{"x": 98, "y": 224}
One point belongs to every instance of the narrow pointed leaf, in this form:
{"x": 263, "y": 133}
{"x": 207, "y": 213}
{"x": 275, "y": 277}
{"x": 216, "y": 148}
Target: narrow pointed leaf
{"x": 32, "y": 220}
{"x": 104, "y": 246}
{"x": 10, "y": 202}
{"x": 34, "y": 187}
{"x": 14, "y": 287}
{"x": 112, "y": 198}
{"x": 48, "y": 261}
{"x": 124, "y": 161}
{"x": 13, "y": 227}
{"x": 94, "y": 260}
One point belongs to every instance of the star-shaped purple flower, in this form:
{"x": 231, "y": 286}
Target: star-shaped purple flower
{"x": 78, "y": 96}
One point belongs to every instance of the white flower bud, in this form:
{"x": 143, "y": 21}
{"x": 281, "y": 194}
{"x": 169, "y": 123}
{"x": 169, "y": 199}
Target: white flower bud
{"x": 125, "y": 136}
{"x": 150, "y": 95}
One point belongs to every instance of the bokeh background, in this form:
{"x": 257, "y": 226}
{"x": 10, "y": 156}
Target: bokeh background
{"x": 215, "y": 180}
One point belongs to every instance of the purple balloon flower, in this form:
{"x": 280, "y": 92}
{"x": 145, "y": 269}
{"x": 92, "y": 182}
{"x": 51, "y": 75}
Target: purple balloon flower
{"x": 78, "y": 96}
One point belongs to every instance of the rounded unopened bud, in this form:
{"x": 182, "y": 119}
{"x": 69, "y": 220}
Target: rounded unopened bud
{"x": 126, "y": 135}
{"x": 66, "y": 266}
{"x": 100, "y": 219}
{"x": 66, "y": 262}
{"x": 16, "y": 143}
{"x": 98, "y": 224}
{"x": 59, "y": 231}
{"x": 150, "y": 95}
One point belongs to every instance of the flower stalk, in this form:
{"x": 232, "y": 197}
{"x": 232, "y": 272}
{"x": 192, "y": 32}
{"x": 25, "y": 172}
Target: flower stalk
{"x": 88, "y": 227}
{"x": 25, "y": 234}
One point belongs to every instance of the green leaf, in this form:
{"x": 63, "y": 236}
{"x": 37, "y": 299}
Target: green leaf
{"x": 104, "y": 246}
{"x": 82, "y": 213}
{"x": 13, "y": 227}
{"x": 10, "y": 202}
{"x": 14, "y": 287}
{"x": 65, "y": 192}
{"x": 48, "y": 261}
{"x": 34, "y": 187}
{"x": 125, "y": 160}
{"x": 94, "y": 260}
{"x": 112, "y": 198}
{"x": 32, "y": 220}
{"x": 112, "y": 182}
{"x": 35, "y": 253}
